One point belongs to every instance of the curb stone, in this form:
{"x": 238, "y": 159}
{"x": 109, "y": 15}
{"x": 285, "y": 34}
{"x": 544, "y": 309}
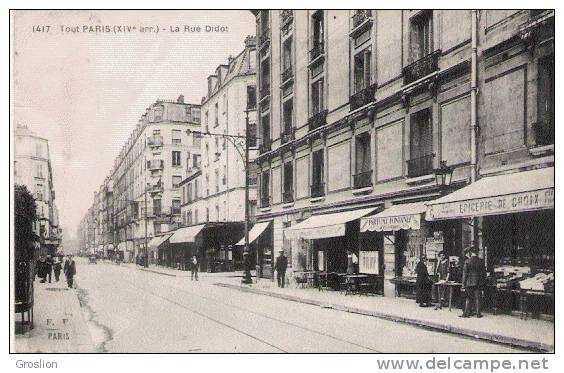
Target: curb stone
{"x": 512, "y": 341}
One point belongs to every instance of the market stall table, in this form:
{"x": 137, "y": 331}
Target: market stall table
{"x": 451, "y": 285}
{"x": 354, "y": 282}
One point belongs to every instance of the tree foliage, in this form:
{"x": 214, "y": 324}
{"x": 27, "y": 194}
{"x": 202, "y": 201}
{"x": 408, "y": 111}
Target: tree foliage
{"x": 25, "y": 215}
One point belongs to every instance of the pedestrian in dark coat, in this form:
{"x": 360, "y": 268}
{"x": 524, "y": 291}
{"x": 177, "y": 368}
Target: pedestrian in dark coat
{"x": 473, "y": 279}
{"x": 48, "y": 267}
{"x": 41, "y": 268}
{"x": 194, "y": 268}
{"x": 70, "y": 271}
{"x": 422, "y": 284}
{"x": 57, "y": 269}
{"x": 280, "y": 266}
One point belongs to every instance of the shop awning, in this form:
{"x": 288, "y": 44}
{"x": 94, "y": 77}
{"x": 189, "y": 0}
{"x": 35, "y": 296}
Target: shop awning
{"x": 186, "y": 234}
{"x": 254, "y": 233}
{"x": 158, "y": 240}
{"x": 395, "y": 218}
{"x": 325, "y": 225}
{"x": 496, "y": 195}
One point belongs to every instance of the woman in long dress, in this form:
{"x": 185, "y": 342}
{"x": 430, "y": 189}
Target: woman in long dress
{"x": 422, "y": 284}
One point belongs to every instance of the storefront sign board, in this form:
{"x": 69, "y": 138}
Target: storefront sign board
{"x": 390, "y": 223}
{"x": 505, "y": 204}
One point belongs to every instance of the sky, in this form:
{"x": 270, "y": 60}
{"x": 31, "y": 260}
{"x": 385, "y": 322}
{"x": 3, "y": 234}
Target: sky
{"x": 85, "y": 91}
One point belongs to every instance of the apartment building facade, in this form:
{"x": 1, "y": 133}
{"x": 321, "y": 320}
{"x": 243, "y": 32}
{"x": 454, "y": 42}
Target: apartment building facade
{"x": 357, "y": 111}
{"x": 231, "y": 91}
{"x": 157, "y": 156}
{"x": 32, "y": 168}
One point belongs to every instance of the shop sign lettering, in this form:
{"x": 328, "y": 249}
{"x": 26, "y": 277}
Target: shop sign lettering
{"x": 390, "y": 223}
{"x": 509, "y": 203}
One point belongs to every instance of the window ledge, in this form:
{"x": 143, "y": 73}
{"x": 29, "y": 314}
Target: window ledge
{"x": 420, "y": 179}
{"x": 364, "y": 190}
{"x": 288, "y": 205}
{"x": 317, "y": 199}
{"x": 265, "y": 209}
{"x": 542, "y": 150}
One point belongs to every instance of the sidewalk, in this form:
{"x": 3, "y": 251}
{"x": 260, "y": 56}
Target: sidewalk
{"x": 59, "y": 325}
{"x": 531, "y": 333}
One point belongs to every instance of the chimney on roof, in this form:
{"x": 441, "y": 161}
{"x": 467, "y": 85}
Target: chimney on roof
{"x": 180, "y": 99}
{"x": 250, "y": 42}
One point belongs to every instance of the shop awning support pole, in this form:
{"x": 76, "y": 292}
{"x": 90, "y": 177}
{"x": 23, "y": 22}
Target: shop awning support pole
{"x": 247, "y": 260}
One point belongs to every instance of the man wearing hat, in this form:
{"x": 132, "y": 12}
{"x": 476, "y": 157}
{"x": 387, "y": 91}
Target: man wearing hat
{"x": 280, "y": 266}
{"x": 473, "y": 278}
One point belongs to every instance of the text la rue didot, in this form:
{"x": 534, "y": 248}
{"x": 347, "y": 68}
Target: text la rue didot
{"x": 124, "y": 29}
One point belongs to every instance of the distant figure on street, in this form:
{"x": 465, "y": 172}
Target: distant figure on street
{"x": 70, "y": 271}
{"x": 473, "y": 278}
{"x": 280, "y": 266}
{"x": 194, "y": 268}
{"x": 442, "y": 271}
{"x": 352, "y": 261}
{"x": 41, "y": 268}
{"x": 48, "y": 267}
{"x": 57, "y": 269}
{"x": 422, "y": 283}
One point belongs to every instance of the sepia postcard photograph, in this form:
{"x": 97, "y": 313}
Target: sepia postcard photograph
{"x": 283, "y": 181}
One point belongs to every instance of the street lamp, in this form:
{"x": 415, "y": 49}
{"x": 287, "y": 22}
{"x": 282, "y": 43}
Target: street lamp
{"x": 443, "y": 175}
{"x": 245, "y": 157}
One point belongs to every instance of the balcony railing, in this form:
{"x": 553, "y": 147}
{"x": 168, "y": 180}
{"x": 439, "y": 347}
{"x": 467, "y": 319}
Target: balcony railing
{"x": 360, "y": 16}
{"x": 316, "y": 51}
{"x": 420, "y": 166}
{"x": 265, "y": 201}
{"x": 265, "y": 146}
{"x": 155, "y": 188}
{"x": 155, "y": 141}
{"x": 362, "y": 179}
{"x": 287, "y": 74}
{"x": 288, "y": 196}
{"x": 544, "y": 133}
{"x": 363, "y": 97}
{"x": 264, "y": 91}
{"x": 318, "y": 190}
{"x": 155, "y": 164}
{"x": 287, "y": 135}
{"x": 317, "y": 120}
{"x": 421, "y": 68}
{"x": 264, "y": 36}
{"x": 286, "y": 16}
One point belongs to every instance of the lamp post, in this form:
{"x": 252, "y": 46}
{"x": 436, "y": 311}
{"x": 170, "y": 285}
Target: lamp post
{"x": 244, "y": 154}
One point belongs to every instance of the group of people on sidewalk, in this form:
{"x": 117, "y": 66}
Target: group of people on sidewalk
{"x": 473, "y": 281}
{"x": 47, "y": 266}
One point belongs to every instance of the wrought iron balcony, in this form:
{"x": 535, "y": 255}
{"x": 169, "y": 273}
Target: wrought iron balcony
{"x": 288, "y": 196}
{"x": 264, "y": 36}
{"x": 287, "y": 74}
{"x": 318, "y": 189}
{"x": 420, "y": 166}
{"x": 287, "y": 135}
{"x": 265, "y": 91}
{"x": 362, "y": 179}
{"x": 422, "y": 67}
{"x": 363, "y": 97}
{"x": 317, "y": 50}
{"x": 286, "y": 16}
{"x": 155, "y": 164}
{"x": 265, "y": 201}
{"x": 155, "y": 188}
{"x": 317, "y": 120}
{"x": 155, "y": 141}
{"x": 265, "y": 146}
{"x": 360, "y": 16}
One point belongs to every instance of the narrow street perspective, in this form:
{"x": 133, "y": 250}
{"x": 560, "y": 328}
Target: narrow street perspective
{"x": 284, "y": 181}
{"x": 150, "y": 312}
